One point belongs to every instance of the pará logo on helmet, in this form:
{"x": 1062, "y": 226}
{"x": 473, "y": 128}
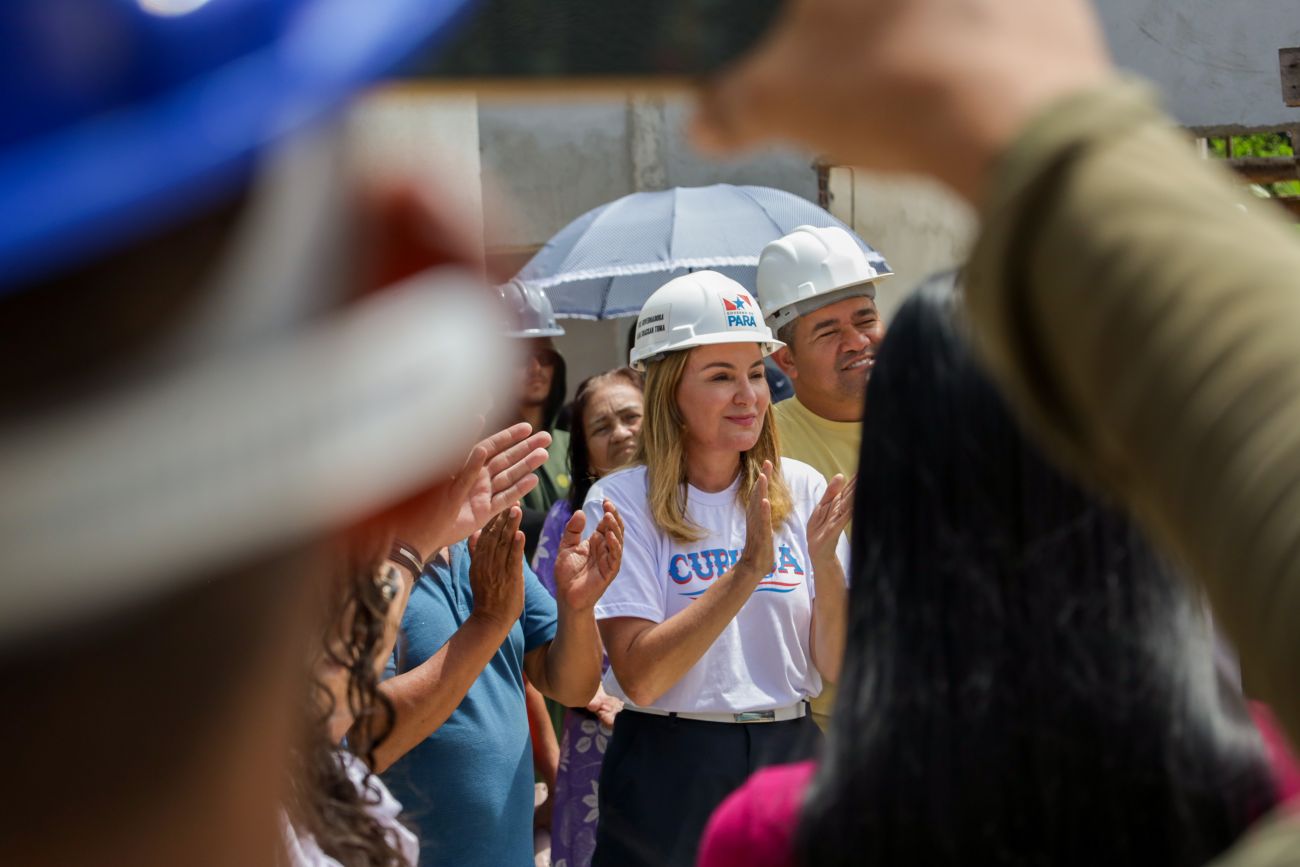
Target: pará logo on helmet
{"x": 740, "y": 311}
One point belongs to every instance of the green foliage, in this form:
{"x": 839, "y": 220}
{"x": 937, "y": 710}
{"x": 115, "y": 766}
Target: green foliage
{"x": 1264, "y": 144}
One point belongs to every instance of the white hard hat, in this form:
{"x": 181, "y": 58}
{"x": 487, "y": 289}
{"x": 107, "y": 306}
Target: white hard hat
{"x": 532, "y": 311}
{"x": 699, "y": 309}
{"x": 810, "y": 268}
{"x": 122, "y": 500}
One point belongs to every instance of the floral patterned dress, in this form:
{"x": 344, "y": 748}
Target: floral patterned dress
{"x": 582, "y": 742}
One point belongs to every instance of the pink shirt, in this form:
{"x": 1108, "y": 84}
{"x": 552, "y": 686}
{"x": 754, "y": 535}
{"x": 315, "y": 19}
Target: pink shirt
{"x": 1285, "y": 768}
{"x": 754, "y": 827}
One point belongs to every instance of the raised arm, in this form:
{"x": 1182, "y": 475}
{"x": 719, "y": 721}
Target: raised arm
{"x": 568, "y": 668}
{"x": 497, "y": 472}
{"x": 830, "y": 605}
{"x": 424, "y": 697}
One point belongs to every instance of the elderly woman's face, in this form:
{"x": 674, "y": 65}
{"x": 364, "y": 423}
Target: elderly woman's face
{"x": 611, "y": 422}
{"x": 723, "y": 397}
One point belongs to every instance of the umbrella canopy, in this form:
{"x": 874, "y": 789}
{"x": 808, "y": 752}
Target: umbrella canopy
{"x": 606, "y": 263}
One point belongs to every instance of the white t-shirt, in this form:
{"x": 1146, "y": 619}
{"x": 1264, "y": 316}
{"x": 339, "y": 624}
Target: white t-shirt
{"x": 762, "y": 660}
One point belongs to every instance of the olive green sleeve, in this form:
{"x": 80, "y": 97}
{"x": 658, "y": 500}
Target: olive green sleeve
{"x": 1142, "y": 312}
{"x": 1272, "y": 842}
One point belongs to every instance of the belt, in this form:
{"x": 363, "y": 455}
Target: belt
{"x": 781, "y": 714}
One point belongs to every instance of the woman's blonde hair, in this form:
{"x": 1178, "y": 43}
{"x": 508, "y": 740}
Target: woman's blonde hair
{"x": 663, "y": 451}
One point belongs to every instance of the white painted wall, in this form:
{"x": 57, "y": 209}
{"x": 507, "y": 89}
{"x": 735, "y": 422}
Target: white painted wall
{"x": 1215, "y": 60}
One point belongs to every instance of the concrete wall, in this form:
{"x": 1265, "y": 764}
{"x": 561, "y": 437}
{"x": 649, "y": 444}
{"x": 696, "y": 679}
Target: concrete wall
{"x": 789, "y": 170}
{"x": 546, "y": 162}
{"x": 919, "y": 226}
{"x": 1215, "y": 60}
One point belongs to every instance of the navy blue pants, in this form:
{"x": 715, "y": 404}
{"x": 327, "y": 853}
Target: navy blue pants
{"x": 663, "y": 777}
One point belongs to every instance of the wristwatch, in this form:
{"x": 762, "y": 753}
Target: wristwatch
{"x": 405, "y": 554}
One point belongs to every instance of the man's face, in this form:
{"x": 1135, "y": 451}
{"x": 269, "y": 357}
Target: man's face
{"x": 831, "y": 356}
{"x": 538, "y": 371}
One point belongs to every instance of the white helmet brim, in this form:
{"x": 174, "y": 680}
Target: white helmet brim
{"x": 115, "y": 502}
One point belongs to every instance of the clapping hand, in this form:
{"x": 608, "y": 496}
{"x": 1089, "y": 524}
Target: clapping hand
{"x": 605, "y": 707}
{"x": 583, "y": 569}
{"x": 497, "y": 473}
{"x": 830, "y": 518}
{"x": 757, "y": 557}
{"x": 496, "y": 569}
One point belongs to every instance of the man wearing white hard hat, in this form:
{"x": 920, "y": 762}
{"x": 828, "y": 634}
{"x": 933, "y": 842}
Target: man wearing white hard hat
{"x": 728, "y": 609}
{"x": 817, "y": 289}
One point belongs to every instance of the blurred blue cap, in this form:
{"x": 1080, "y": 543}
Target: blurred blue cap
{"x": 120, "y": 116}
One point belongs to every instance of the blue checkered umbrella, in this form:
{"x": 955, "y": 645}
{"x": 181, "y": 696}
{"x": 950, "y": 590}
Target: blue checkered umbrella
{"x": 606, "y": 263}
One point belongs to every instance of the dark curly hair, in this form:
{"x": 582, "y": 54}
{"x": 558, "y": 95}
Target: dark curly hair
{"x": 326, "y": 804}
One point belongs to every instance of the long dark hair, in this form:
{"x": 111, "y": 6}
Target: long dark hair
{"x": 581, "y": 475}
{"x": 326, "y": 803}
{"x": 1025, "y": 681}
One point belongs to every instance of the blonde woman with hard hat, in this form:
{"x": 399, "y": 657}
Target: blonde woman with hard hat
{"x": 728, "y": 609}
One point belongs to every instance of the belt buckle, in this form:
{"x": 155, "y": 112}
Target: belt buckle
{"x": 754, "y": 716}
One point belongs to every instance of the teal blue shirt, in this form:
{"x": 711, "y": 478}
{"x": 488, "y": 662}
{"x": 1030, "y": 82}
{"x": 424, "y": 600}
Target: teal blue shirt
{"x": 468, "y": 787}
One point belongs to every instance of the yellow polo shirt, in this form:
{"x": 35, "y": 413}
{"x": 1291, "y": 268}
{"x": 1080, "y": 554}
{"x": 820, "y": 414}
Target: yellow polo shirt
{"x": 830, "y": 447}
{"x": 827, "y": 446}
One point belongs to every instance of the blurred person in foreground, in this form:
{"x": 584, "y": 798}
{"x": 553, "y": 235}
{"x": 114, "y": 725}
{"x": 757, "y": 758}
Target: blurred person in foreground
{"x": 196, "y": 396}
{"x": 541, "y": 390}
{"x": 1024, "y": 682}
{"x": 1138, "y": 308}
{"x": 608, "y": 409}
{"x": 817, "y": 289}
